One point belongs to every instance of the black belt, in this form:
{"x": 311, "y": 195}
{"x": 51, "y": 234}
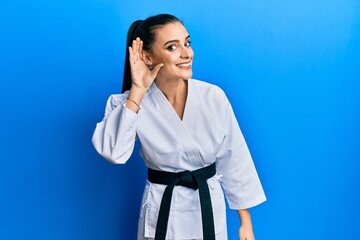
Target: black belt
{"x": 194, "y": 179}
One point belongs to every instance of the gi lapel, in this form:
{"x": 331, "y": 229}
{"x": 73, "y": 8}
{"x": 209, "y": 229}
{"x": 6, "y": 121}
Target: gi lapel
{"x": 190, "y": 145}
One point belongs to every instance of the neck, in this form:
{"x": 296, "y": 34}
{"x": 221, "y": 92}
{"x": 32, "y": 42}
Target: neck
{"x": 174, "y": 90}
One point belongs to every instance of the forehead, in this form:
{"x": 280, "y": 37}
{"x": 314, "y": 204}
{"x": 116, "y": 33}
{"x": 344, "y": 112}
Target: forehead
{"x": 171, "y": 31}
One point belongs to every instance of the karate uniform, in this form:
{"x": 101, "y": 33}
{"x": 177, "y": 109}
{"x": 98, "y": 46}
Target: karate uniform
{"x": 208, "y": 133}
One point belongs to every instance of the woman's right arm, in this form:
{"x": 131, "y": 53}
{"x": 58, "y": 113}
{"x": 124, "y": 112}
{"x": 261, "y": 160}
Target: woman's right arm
{"x": 114, "y": 137}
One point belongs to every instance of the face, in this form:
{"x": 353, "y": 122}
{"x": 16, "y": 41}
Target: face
{"x": 172, "y": 48}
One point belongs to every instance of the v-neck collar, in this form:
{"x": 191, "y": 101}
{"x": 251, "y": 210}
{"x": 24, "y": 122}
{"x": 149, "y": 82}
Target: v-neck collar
{"x": 170, "y": 109}
{"x": 180, "y": 126}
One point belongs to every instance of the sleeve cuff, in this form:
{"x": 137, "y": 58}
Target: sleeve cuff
{"x": 129, "y": 115}
{"x": 247, "y": 205}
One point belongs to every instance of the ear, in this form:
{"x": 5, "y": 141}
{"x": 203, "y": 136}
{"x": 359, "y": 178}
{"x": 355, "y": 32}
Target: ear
{"x": 146, "y": 57}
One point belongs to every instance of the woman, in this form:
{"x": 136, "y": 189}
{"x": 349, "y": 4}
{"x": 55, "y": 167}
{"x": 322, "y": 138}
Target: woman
{"x": 190, "y": 139}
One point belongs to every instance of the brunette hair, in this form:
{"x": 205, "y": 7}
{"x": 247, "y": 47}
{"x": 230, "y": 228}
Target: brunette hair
{"x": 146, "y": 31}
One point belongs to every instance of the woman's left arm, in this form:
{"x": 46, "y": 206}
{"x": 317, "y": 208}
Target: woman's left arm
{"x": 246, "y": 230}
{"x": 240, "y": 180}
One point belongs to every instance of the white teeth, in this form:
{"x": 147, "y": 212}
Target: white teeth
{"x": 184, "y": 65}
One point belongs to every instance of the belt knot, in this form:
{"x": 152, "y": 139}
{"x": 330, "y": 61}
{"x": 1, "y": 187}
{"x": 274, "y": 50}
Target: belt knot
{"x": 187, "y": 179}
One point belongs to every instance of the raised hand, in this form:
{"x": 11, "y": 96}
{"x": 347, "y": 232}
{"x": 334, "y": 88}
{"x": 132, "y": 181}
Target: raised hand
{"x": 141, "y": 75}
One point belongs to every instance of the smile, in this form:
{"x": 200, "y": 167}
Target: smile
{"x": 184, "y": 65}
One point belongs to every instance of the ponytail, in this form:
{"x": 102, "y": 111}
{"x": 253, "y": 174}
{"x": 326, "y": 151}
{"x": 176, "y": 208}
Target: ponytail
{"x": 127, "y": 71}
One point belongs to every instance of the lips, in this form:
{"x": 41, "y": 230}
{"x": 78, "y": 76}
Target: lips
{"x": 184, "y": 65}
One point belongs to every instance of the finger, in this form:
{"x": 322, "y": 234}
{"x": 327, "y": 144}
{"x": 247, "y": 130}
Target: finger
{"x": 141, "y": 50}
{"x": 138, "y": 41}
{"x": 131, "y": 55}
{"x": 155, "y": 70}
{"x": 141, "y": 45}
{"x": 135, "y": 46}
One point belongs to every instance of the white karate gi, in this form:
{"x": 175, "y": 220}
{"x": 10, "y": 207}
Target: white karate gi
{"x": 208, "y": 133}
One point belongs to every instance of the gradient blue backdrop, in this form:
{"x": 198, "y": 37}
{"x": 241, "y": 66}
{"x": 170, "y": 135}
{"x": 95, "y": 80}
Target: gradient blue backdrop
{"x": 290, "y": 68}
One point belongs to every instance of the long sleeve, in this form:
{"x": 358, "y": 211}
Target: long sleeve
{"x": 240, "y": 180}
{"x": 114, "y": 137}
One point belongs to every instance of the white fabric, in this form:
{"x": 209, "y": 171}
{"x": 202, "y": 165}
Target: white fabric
{"x": 208, "y": 132}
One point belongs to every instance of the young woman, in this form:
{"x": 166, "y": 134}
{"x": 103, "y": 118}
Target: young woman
{"x": 190, "y": 139}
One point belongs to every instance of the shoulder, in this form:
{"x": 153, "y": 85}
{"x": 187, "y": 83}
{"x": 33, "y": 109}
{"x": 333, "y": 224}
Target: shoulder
{"x": 115, "y": 100}
{"x": 210, "y": 90}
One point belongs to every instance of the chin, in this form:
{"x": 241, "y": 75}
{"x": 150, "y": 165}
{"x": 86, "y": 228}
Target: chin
{"x": 187, "y": 76}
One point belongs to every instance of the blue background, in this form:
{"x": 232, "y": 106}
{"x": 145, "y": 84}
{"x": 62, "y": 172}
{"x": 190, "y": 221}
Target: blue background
{"x": 290, "y": 68}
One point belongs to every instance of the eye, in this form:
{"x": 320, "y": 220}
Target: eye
{"x": 187, "y": 44}
{"x": 171, "y": 47}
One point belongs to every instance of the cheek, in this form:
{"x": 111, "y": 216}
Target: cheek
{"x": 167, "y": 58}
{"x": 172, "y": 59}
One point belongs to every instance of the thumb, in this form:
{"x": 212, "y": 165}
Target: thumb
{"x": 156, "y": 69}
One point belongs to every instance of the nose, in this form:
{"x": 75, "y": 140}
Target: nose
{"x": 186, "y": 53}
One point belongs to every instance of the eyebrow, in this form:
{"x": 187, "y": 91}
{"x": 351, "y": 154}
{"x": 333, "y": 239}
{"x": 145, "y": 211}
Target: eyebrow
{"x": 171, "y": 41}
